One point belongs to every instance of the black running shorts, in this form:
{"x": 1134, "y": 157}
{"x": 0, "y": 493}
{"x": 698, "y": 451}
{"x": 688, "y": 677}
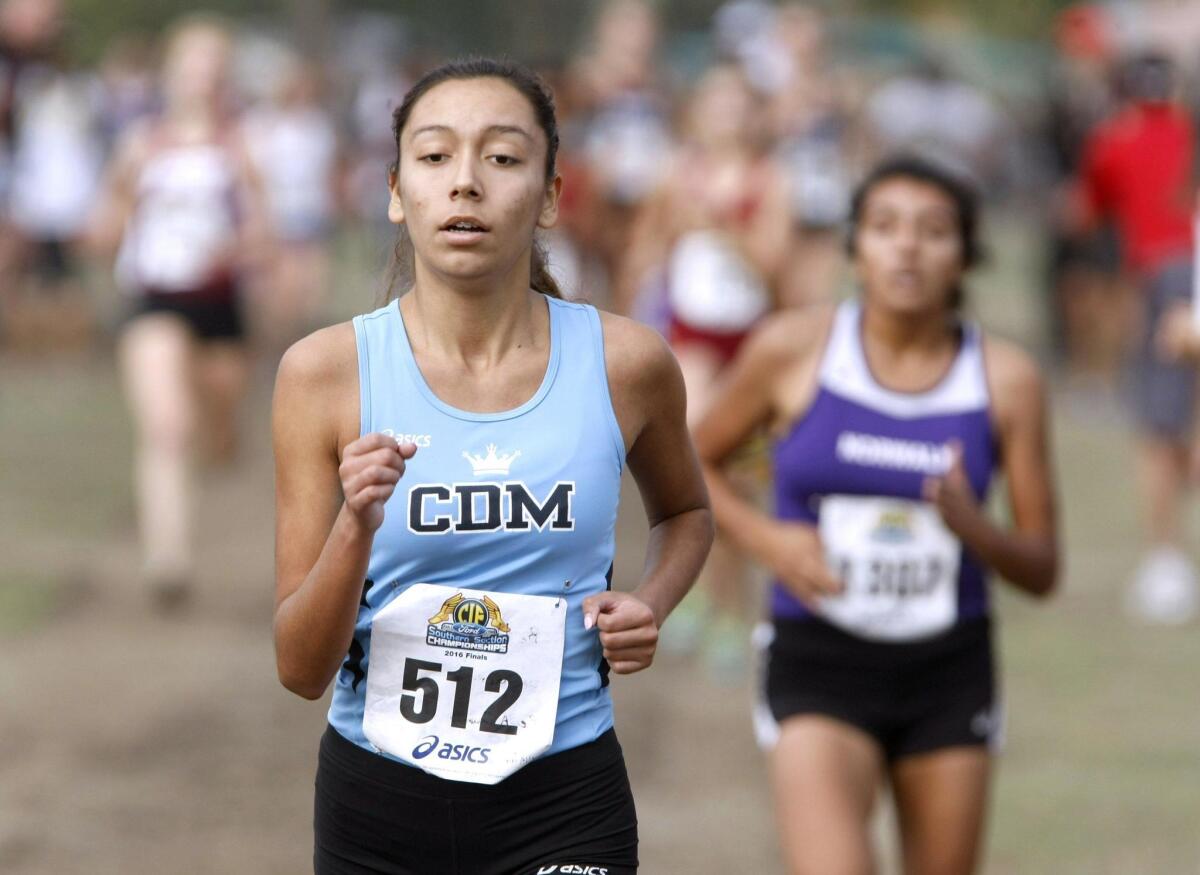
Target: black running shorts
{"x": 569, "y": 813}
{"x": 912, "y": 697}
{"x": 211, "y": 314}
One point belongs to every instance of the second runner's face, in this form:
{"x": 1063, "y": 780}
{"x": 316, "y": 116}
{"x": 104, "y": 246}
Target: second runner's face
{"x": 908, "y": 248}
{"x": 471, "y": 185}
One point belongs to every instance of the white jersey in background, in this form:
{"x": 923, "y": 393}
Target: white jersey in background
{"x": 295, "y": 153}
{"x": 712, "y": 286}
{"x": 57, "y": 156}
{"x": 185, "y": 220}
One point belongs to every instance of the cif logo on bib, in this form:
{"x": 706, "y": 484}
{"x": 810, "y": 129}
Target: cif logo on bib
{"x": 469, "y": 624}
{"x": 894, "y": 526}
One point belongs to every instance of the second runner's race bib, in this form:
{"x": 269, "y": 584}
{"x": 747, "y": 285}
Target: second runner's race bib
{"x": 464, "y": 683}
{"x": 899, "y": 564}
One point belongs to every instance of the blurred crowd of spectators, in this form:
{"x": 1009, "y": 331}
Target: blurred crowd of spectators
{"x": 760, "y": 135}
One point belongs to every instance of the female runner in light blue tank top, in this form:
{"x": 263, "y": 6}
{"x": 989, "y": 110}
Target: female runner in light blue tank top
{"x": 448, "y": 472}
{"x": 891, "y": 413}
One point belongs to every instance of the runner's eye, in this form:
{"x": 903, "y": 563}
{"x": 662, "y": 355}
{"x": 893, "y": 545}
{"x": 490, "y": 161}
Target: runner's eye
{"x": 434, "y": 158}
{"x": 505, "y": 160}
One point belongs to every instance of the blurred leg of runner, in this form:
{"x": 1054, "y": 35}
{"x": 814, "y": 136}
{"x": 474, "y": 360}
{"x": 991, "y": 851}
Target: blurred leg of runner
{"x": 156, "y": 360}
{"x": 826, "y": 775}
{"x": 941, "y": 803}
{"x": 1164, "y": 587}
{"x": 222, "y": 374}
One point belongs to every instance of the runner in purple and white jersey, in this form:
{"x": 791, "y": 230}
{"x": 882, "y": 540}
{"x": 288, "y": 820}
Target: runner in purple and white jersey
{"x": 890, "y": 414}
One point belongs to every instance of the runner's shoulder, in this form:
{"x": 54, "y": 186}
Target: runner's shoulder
{"x": 634, "y": 353}
{"x": 788, "y": 337}
{"x": 322, "y": 361}
{"x": 1010, "y": 367}
{"x": 1014, "y": 378}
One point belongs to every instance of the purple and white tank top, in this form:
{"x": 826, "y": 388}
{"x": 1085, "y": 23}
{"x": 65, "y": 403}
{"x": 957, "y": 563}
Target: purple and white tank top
{"x": 854, "y": 466}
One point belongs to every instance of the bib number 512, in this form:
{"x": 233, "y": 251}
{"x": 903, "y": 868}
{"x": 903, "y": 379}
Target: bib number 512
{"x": 421, "y": 704}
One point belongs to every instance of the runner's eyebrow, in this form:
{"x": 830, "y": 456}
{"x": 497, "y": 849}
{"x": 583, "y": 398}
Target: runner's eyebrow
{"x": 490, "y": 129}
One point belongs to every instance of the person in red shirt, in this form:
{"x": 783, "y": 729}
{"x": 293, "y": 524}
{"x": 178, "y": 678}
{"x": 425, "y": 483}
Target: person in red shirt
{"x": 1138, "y": 173}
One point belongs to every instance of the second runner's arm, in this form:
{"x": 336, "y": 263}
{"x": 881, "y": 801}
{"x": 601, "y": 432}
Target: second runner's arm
{"x": 787, "y": 344}
{"x": 1025, "y": 553}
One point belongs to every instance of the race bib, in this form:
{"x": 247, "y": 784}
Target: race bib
{"x": 463, "y": 684}
{"x": 899, "y": 564}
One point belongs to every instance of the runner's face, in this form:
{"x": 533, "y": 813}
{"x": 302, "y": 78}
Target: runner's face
{"x": 195, "y": 70}
{"x": 909, "y": 252}
{"x": 722, "y": 110}
{"x": 473, "y": 151}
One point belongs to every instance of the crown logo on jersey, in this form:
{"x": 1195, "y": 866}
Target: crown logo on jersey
{"x": 493, "y": 464}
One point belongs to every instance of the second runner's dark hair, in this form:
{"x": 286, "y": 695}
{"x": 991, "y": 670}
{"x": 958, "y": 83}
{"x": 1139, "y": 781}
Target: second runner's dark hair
{"x": 961, "y": 192}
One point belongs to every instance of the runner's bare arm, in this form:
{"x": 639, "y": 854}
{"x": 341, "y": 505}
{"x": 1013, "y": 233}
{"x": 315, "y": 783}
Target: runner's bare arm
{"x": 256, "y": 236}
{"x": 106, "y": 224}
{"x": 650, "y": 240}
{"x": 775, "y": 370}
{"x": 1027, "y": 553}
{"x": 648, "y": 398}
{"x": 767, "y": 238}
{"x": 747, "y": 399}
{"x": 326, "y": 508}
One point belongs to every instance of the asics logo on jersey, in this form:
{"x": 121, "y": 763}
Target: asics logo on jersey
{"x": 421, "y": 440}
{"x": 874, "y": 451}
{"x": 572, "y": 869}
{"x": 438, "y": 508}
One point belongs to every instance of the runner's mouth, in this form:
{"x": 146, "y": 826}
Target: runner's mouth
{"x": 465, "y": 224}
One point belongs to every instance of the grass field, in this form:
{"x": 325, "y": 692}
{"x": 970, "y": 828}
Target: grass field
{"x": 126, "y": 745}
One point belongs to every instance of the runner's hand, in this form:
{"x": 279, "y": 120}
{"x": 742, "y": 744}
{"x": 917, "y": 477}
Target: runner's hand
{"x": 952, "y": 494}
{"x": 371, "y": 467}
{"x": 628, "y": 630}
{"x": 1176, "y": 339}
{"x": 795, "y": 553}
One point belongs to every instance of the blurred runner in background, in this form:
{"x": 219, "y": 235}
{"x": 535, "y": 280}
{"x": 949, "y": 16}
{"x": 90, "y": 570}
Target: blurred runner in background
{"x": 715, "y": 234}
{"x": 294, "y": 144}
{"x": 185, "y": 208}
{"x": 53, "y": 157}
{"x": 128, "y": 87}
{"x": 811, "y": 125}
{"x": 1089, "y": 302}
{"x": 932, "y": 112}
{"x": 891, "y": 416}
{"x": 618, "y": 89}
{"x": 1138, "y": 169}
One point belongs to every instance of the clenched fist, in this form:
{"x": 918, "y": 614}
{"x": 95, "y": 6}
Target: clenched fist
{"x": 371, "y": 467}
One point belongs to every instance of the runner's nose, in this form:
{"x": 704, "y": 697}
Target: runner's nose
{"x": 466, "y": 181}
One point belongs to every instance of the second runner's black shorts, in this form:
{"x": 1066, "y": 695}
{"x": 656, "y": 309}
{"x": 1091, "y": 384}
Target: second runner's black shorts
{"x": 911, "y": 698}
{"x": 570, "y": 812}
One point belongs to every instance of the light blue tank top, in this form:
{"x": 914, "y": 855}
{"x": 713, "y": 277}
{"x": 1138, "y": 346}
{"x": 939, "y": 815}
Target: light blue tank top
{"x": 557, "y": 460}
